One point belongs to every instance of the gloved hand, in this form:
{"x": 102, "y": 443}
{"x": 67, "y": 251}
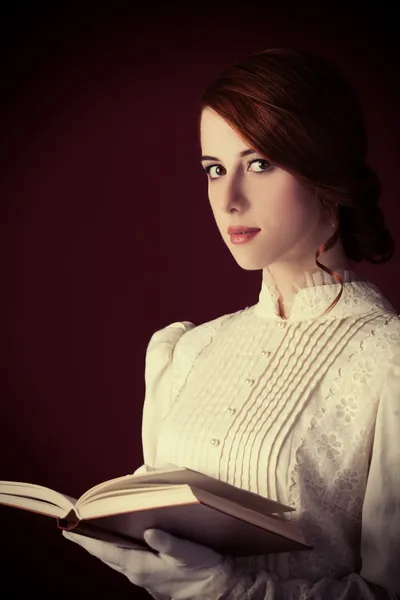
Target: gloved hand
{"x": 181, "y": 570}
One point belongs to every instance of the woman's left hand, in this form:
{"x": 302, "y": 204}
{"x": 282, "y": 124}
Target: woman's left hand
{"x": 181, "y": 570}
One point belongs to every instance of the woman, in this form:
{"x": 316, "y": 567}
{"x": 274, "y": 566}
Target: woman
{"x": 297, "y": 397}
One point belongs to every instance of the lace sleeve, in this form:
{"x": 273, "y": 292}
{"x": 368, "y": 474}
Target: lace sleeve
{"x": 380, "y": 541}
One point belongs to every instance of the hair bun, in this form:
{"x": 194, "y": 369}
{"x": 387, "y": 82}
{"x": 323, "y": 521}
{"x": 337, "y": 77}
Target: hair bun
{"x": 362, "y": 224}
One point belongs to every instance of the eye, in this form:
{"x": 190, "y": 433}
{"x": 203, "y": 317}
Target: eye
{"x": 261, "y": 160}
{"x": 208, "y": 170}
{"x": 266, "y": 166}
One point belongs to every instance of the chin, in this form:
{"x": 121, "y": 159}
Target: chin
{"x": 250, "y": 265}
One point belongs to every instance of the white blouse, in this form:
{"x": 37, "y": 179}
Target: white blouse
{"x": 304, "y": 410}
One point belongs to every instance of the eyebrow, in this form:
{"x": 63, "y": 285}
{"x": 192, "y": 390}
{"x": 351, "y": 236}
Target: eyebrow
{"x": 241, "y": 154}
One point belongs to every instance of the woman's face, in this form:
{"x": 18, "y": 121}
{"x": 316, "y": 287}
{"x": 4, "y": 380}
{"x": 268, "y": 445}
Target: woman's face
{"x": 248, "y": 191}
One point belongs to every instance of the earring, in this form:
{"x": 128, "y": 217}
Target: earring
{"x": 330, "y": 220}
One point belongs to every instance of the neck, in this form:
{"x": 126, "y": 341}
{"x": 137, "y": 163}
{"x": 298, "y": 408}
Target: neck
{"x": 286, "y": 275}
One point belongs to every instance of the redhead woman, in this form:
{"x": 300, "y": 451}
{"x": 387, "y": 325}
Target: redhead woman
{"x": 297, "y": 397}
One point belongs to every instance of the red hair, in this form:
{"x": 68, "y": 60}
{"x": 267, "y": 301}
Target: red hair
{"x": 300, "y": 113}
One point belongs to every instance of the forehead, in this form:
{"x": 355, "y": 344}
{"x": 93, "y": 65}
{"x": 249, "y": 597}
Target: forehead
{"x": 217, "y": 135}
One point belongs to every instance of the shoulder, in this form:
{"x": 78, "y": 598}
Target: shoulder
{"x": 185, "y": 333}
{"x": 209, "y": 329}
{"x": 173, "y": 350}
{"x": 169, "y": 335}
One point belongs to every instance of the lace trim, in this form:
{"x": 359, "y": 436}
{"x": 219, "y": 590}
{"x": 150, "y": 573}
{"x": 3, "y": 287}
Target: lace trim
{"x": 358, "y": 297}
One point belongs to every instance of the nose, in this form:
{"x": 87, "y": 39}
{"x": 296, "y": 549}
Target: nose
{"x": 230, "y": 196}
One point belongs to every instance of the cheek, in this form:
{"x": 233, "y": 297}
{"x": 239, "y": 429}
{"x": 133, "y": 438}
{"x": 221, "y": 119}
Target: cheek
{"x": 212, "y": 204}
{"x": 287, "y": 205}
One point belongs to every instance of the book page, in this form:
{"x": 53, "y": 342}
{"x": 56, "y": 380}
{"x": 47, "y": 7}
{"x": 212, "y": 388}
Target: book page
{"x": 140, "y": 491}
{"x": 118, "y": 502}
{"x": 217, "y": 487}
{"x": 32, "y": 504}
{"x": 182, "y": 476}
{"x": 33, "y": 493}
{"x": 124, "y": 482}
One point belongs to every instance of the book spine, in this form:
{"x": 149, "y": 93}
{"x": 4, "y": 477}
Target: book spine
{"x": 69, "y": 522}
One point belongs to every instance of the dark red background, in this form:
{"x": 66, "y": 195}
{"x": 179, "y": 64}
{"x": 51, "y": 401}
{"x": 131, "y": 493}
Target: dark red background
{"x": 106, "y": 234}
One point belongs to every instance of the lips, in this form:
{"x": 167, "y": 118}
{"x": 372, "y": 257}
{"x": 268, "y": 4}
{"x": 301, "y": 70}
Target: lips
{"x": 238, "y": 229}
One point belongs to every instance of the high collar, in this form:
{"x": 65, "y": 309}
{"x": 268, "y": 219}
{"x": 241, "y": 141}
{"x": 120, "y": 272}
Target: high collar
{"x": 315, "y": 290}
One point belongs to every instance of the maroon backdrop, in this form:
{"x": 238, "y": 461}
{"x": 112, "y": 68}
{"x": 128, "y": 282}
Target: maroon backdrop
{"x": 107, "y": 236}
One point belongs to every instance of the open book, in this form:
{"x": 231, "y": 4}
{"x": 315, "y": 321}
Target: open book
{"x": 183, "y": 502}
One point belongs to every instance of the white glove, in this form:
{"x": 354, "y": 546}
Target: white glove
{"x": 180, "y": 571}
